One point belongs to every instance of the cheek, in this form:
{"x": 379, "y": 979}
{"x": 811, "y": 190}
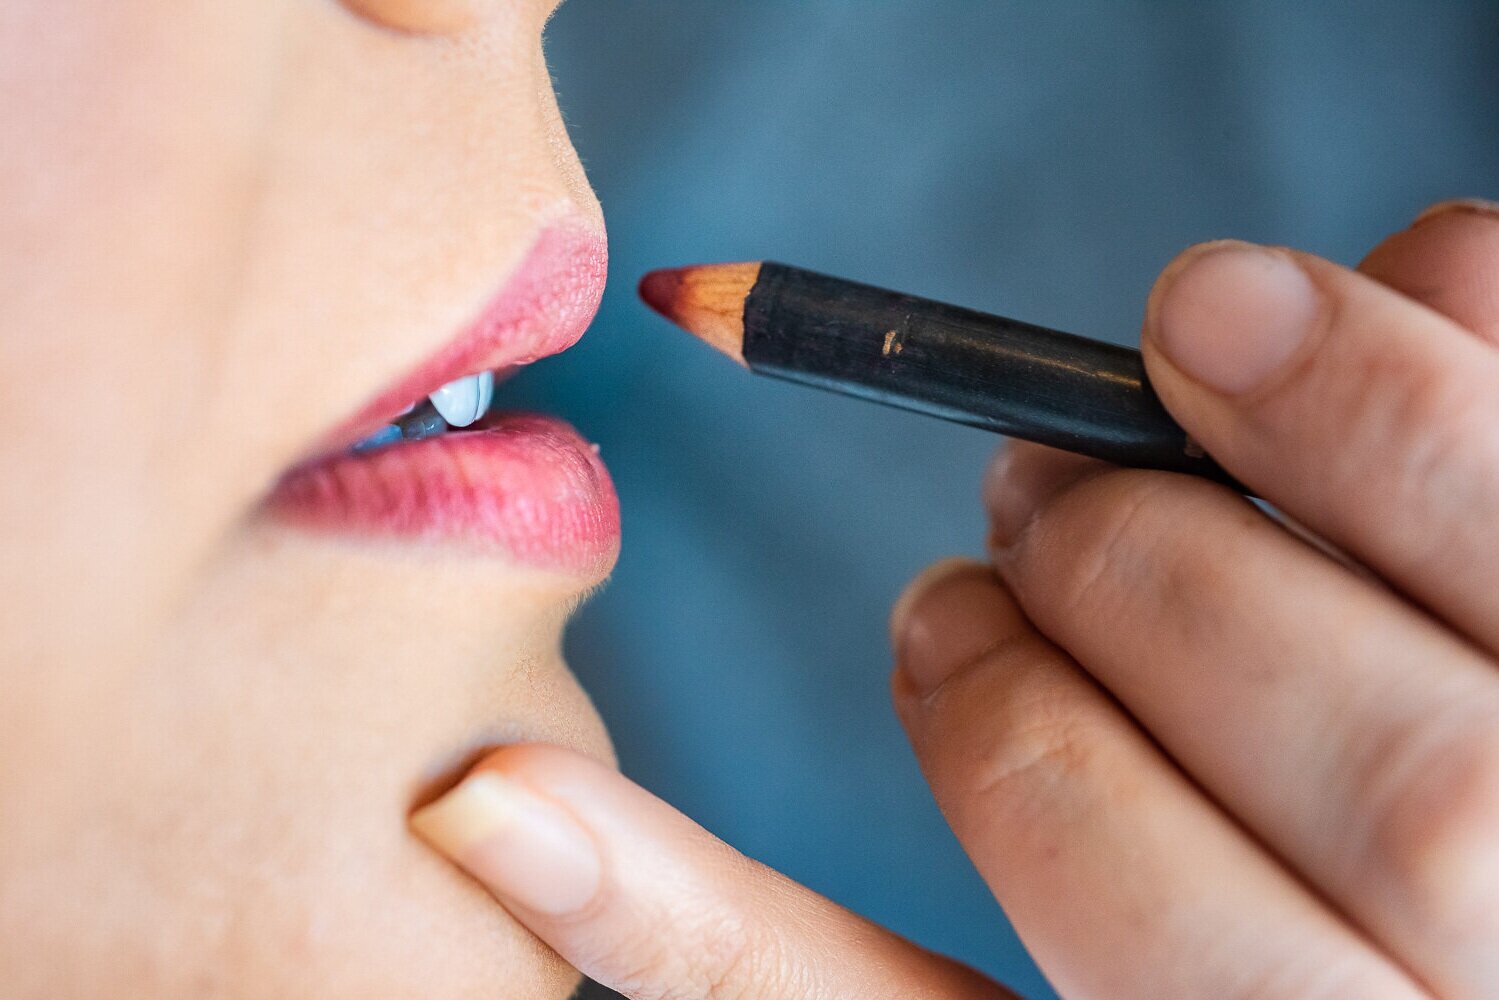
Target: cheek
{"x": 123, "y": 174}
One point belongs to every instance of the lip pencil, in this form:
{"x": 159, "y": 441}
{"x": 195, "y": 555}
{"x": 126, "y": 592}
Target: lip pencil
{"x": 969, "y": 367}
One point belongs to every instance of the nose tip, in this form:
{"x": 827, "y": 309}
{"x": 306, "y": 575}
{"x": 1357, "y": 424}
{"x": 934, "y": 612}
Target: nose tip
{"x": 419, "y": 17}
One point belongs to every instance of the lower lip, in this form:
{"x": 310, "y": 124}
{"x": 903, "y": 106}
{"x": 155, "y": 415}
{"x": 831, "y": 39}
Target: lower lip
{"x": 523, "y": 486}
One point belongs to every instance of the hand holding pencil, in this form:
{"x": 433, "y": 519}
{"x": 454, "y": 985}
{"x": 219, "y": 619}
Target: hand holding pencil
{"x": 1192, "y": 752}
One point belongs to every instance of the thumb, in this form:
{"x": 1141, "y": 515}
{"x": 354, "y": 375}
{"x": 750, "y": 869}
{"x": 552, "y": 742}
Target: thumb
{"x": 648, "y": 903}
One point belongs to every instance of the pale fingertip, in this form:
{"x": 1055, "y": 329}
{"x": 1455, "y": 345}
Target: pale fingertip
{"x": 1472, "y": 206}
{"x": 992, "y": 485}
{"x": 952, "y": 622}
{"x": 1445, "y": 261}
{"x": 1023, "y": 478}
{"x": 1173, "y": 270}
{"x": 914, "y": 592}
{"x": 1232, "y": 315}
{"x": 524, "y": 848}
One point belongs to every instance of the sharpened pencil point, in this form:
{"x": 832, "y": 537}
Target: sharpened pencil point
{"x": 706, "y": 301}
{"x": 659, "y": 290}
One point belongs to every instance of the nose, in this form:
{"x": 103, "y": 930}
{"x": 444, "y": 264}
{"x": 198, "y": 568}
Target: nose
{"x": 423, "y": 17}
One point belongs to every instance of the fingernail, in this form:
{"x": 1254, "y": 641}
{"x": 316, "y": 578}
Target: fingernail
{"x": 1020, "y": 480}
{"x": 1230, "y": 314}
{"x": 525, "y": 848}
{"x": 1471, "y": 206}
{"x": 947, "y": 618}
{"x": 900, "y": 613}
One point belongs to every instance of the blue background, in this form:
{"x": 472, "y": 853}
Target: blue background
{"x": 1041, "y": 160}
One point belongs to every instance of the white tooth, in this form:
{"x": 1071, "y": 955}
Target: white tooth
{"x": 486, "y": 393}
{"x": 464, "y": 400}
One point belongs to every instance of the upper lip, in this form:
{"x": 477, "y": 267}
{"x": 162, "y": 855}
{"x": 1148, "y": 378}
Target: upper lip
{"x": 541, "y": 310}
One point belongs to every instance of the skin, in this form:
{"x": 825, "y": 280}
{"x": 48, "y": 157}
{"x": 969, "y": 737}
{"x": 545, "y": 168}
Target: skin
{"x": 1195, "y": 749}
{"x": 226, "y": 226}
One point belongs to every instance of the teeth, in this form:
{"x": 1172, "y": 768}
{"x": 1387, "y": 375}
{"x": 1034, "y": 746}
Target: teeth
{"x": 486, "y": 392}
{"x": 464, "y": 400}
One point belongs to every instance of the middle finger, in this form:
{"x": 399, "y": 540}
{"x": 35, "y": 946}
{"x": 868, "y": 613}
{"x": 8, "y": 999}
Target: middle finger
{"x": 1343, "y": 726}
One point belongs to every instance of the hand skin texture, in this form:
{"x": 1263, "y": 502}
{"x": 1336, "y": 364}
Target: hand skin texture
{"x": 1194, "y": 749}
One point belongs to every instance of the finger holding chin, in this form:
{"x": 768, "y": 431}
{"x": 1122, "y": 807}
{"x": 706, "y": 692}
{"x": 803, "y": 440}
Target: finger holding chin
{"x": 643, "y": 900}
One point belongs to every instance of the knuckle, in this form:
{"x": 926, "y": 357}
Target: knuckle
{"x": 1349, "y": 975}
{"x": 642, "y": 962}
{"x": 1433, "y": 414}
{"x": 722, "y": 956}
{"x": 1041, "y": 738}
{"x": 1101, "y": 530}
{"x": 1436, "y": 826}
{"x": 747, "y": 961}
{"x": 1128, "y": 538}
{"x": 1435, "y": 424}
{"x": 1399, "y": 427}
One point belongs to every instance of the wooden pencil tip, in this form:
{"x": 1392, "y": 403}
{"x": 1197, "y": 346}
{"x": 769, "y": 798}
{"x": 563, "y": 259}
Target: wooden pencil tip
{"x": 706, "y": 301}
{"x": 659, "y": 290}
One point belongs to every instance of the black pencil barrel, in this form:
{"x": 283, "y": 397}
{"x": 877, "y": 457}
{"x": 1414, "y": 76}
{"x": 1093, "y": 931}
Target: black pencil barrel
{"x": 986, "y": 371}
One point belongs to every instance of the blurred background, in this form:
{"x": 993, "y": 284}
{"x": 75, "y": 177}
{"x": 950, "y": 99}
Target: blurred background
{"x": 1041, "y": 160}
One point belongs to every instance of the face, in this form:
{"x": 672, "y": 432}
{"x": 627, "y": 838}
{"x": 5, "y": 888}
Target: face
{"x": 236, "y": 239}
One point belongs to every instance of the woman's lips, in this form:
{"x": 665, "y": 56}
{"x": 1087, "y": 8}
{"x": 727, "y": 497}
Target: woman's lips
{"x": 541, "y": 311}
{"x": 525, "y": 485}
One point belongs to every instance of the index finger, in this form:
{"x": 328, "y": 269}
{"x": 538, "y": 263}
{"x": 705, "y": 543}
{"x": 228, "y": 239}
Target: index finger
{"x": 1366, "y": 416}
{"x": 650, "y": 904}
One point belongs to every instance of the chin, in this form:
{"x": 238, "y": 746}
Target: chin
{"x": 456, "y": 655}
{"x": 241, "y": 831}
{"x": 412, "y": 930}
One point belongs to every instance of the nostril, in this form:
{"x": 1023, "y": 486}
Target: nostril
{"x": 422, "y": 17}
